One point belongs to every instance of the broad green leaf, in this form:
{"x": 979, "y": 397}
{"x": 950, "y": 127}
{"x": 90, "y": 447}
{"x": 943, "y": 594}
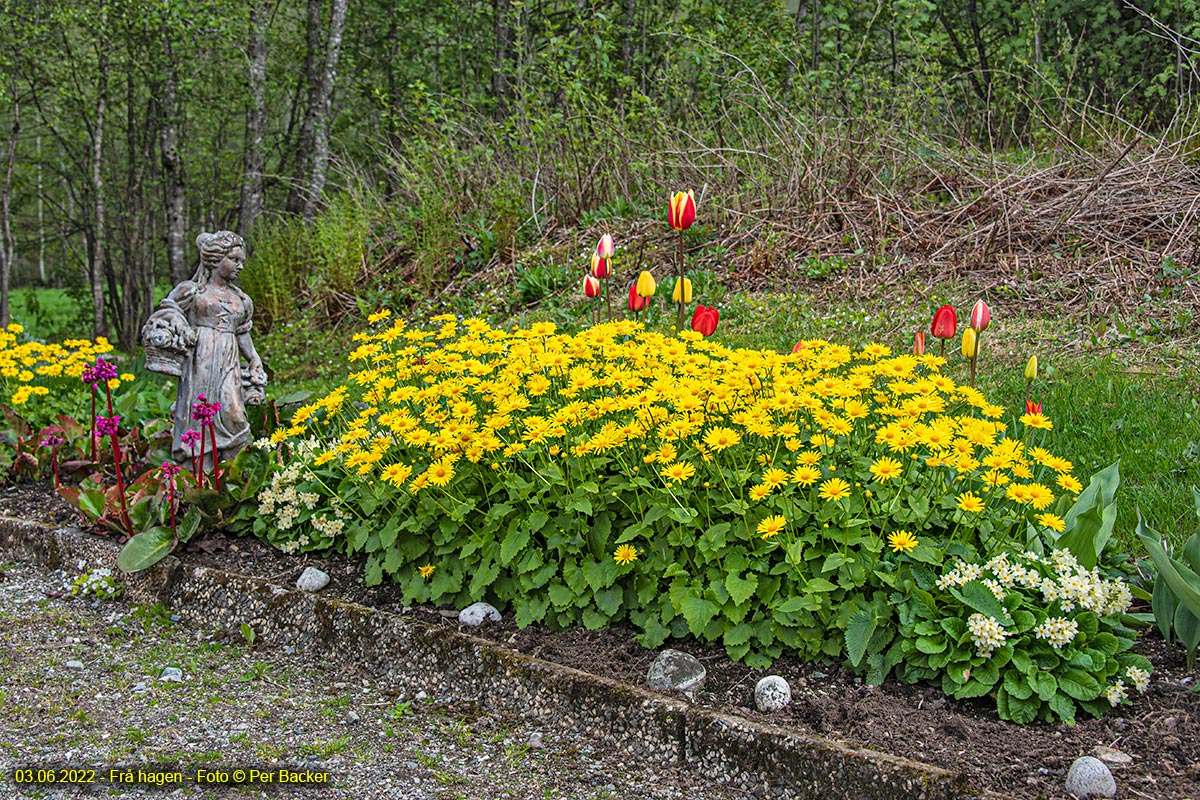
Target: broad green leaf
{"x": 594, "y": 574}
{"x": 740, "y": 590}
{"x": 146, "y": 549}
{"x": 1184, "y": 583}
{"x": 820, "y": 585}
{"x": 929, "y": 645}
{"x": 737, "y": 635}
{"x": 514, "y": 542}
{"x": 698, "y": 612}
{"x": 1045, "y": 684}
{"x": 654, "y": 633}
{"x": 609, "y": 600}
{"x": 858, "y": 635}
{"x": 531, "y": 609}
{"x": 91, "y": 503}
{"x": 1063, "y": 706}
{"x": 594, "y": 620}
{"x": 560, "y": 595}
{"x": 1187, "y": 628}
{"x": 1079, "y": 684}
{"x": 1017, "y": 685}
{"x": 979, "y": 597}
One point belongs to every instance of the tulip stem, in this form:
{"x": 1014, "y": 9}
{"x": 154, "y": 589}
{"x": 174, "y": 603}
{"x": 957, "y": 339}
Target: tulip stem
{"x": 680, "y": 285}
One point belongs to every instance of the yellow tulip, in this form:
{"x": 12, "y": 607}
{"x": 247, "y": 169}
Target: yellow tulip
{"x": 646, "y": 284}
{"x": 1031, "y": 369}
{"x": 687, "y": 291}
{"x": 970, "y": 343}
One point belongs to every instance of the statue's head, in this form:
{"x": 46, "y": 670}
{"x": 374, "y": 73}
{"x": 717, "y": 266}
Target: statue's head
{"x": 213, "y": 249}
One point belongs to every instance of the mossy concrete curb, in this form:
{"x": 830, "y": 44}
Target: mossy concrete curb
{"x": 410, "y": 656}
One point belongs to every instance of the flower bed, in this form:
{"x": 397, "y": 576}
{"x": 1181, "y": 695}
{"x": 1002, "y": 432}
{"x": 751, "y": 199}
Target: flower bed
{"x": 829, "y": 502}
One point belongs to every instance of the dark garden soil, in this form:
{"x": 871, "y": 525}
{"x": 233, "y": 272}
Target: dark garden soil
{"x": 1152, "y": 746}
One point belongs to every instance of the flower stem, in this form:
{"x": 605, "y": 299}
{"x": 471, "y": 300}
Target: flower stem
{"x": 116, "y": 448}
{"x": 682, "y": 293}
{"x": 216, "y": 466}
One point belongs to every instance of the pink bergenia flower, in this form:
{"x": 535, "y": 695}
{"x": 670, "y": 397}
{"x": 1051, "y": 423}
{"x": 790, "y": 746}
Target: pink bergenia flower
{"x": 107, "y": 426}
{"x": 52, "y": 441}
{"x": 101, "y": 372}
{"x": 190, "y": 437}
{"x": 170, "y": 470}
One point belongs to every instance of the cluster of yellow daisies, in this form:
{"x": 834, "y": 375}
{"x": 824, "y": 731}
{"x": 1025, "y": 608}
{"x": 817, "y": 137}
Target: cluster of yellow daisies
{"x": 428, "y": 404}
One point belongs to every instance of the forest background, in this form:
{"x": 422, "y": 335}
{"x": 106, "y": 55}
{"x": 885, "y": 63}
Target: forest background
{"x": 379, "y": 152}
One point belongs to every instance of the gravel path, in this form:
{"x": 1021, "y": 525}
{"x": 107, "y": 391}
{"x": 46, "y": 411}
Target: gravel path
{"x": 82, "y": 687}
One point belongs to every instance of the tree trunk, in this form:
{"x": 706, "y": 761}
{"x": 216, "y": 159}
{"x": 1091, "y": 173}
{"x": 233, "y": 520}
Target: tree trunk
{"x": 312, "y": 74}
{"x": 502, "y": 62}
{"x": 41, "y": 215}
{"x": 324, "y": 99}
{"x": 172, "y": 166}
{"x": 7, "y": 250}
{"x": 256, "y": 120}
{"x": 99, "y": 324}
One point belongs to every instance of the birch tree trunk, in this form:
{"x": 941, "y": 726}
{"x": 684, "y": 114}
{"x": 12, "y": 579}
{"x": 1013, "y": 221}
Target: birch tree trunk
{"x": 324, "y": 100}
{"x": 172, "y": 166}
{"x": 7, "y": 249}
{"x": 256, "y": 121}
{"x": 312, "y": 74}
{"x": 96, "y": 273}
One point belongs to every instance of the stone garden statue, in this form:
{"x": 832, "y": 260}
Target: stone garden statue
{"x": 200, "y": 333}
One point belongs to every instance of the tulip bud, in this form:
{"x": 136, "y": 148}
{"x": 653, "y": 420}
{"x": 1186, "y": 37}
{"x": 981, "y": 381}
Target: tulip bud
{"x": 970, "y": 343}
{"x": 605, "y": 248}
{"x": 681, "y": 211}
{"x": 800, "y": 345}
{"x": 981, "y": 316}
{"x": 1032, "y": 407}
{"x": 704, "y": 320}
{"x": 945, "y": 323}
{"x": 919, "y": 343}
{"x": 645, "y": 284}
{"x": 1031, "y": 369}
{"x": 591, "y": 286}
{"x": 600, "y": 266}
{"x": 636, "y": 301}
{"x": 687, "y": 291}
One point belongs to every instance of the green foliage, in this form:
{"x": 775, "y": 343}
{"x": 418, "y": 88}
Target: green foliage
{"x": 1039, "y": 634}
{"x": 279, "y": 261}
{"x": 1175, "y": 599}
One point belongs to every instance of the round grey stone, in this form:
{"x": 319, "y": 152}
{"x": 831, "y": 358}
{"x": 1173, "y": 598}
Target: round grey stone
{"x": 772, "y": 693}
{"x": 75, "y": 665}
{"x": 312, "y": 580}
{"x": 172, "y": 674}
{"x": 476, "y": 614}
{"x": 676, "y": 671}
{"x": 1089, "y": 777}
{"x": 535, "y": 741}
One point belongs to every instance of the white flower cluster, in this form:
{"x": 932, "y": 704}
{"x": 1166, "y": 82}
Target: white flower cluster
{"x": 283, "y": 504}
{"x": 987, "y": 633}
{"x": 281, "y": 498}
{"x": 1071, "y": 586}
{"x": 1058, "y": 631}
{"x": 98, "y": 582}
{"x": 1139, "y": 677}
{"x": 1116, "y": 693}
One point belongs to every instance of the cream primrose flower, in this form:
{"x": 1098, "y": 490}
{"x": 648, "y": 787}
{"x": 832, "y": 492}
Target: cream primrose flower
{"x": 987, "y": 634}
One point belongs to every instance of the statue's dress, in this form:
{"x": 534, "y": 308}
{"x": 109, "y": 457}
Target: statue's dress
{"x": 218, "y": 315}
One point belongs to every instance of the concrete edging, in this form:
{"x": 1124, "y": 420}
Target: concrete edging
{"x": 767, "y": 761}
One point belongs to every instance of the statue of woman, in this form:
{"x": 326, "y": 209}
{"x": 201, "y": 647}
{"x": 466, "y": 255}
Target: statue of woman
{"x": 200, "y": 332}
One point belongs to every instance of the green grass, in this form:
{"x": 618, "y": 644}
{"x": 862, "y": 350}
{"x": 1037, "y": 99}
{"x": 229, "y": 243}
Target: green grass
{"x": 48, "y": 314}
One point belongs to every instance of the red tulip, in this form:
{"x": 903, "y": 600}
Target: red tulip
{"x": 800, "y": 345}
{"x": 919, "y": 343}
{"x": 705, "y": 319}
{"x": 681, "y": 211}
{"x": 636, "y": 301}
{"x": 1032, "y": 407}
{"x": 981, "y": 316}
{"x": 591, "y": 286}
{"x": 945, "y": 323}
{"x": 600, "y": 266}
